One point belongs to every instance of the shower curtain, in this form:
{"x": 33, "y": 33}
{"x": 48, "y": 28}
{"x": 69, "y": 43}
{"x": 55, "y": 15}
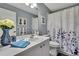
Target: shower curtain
{"x": 63, "y": 27}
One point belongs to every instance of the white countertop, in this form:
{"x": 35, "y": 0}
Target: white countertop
{"x": 10, "y": 51}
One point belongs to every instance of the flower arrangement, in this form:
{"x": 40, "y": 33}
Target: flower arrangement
{"x": 6, "y": 24}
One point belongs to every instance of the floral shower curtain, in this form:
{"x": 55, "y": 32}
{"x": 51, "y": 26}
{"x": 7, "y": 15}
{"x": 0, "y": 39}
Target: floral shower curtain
{"x": 64, "y": 28}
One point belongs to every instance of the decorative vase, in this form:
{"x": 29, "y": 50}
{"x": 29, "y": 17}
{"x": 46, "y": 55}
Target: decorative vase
{"x": 5, "y": 38}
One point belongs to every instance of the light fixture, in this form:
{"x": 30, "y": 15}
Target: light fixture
{"x": 32, "y": 5}
{"x": 27, "y": 4}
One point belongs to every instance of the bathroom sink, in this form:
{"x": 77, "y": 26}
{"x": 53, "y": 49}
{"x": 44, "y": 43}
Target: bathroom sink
{"x": 34, "y": 38}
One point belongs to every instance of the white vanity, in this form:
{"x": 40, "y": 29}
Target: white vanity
{"x": 38, "y": 47}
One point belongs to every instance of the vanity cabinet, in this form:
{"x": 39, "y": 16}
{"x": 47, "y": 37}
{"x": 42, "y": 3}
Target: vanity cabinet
{"x": 41, "y": 49}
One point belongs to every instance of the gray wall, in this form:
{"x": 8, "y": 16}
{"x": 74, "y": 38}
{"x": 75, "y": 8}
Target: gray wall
{"x": 42, "y": 11}
{"x": 19, "y": 13}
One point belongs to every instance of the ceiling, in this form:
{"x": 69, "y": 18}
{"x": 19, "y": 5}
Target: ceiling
{"x": 57, "y": 6}
{"x": 51, "y": 7}
{"x": 24, "y": 7}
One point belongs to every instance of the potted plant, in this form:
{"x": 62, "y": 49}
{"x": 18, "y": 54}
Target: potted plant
{"x": 6, "y": 25}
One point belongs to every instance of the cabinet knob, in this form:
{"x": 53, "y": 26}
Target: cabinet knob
{"x": 41, "y": 46}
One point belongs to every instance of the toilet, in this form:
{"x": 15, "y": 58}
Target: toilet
{"x": 53, "y": 48}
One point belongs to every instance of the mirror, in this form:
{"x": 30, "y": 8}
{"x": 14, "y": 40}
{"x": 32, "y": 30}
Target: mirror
{"x": 4, "y": 14}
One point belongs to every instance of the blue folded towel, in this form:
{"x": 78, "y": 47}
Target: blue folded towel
{"x": 20, "y": 44}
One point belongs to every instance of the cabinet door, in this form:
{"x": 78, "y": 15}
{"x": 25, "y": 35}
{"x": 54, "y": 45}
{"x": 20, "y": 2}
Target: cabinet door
{"x": 35, "y": 51}
{"x": 45, "y": 48}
